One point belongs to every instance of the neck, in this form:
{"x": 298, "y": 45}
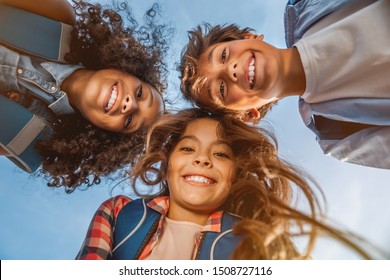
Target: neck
{"x": 181, "y": 214}
{"x": 74, "y": 84}
{"x": 293, "y": 74}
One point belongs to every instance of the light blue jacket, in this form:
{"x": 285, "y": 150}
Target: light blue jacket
{"x": 37, "y": 75}
{"x": 41, "y": 80}
{"x": 369, "y": 146}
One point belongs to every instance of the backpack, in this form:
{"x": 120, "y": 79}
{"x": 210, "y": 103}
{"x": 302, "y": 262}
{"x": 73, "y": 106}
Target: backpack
{"x": 136, "y": 224}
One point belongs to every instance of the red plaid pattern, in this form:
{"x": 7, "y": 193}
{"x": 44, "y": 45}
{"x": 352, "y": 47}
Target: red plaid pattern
{"x": 98, "y": 243}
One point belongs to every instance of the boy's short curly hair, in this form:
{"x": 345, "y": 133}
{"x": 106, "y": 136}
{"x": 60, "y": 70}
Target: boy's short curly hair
{"x": 199, "y": 39}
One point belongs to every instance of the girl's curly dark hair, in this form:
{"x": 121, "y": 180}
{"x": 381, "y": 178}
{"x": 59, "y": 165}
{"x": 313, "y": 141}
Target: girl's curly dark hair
{"x": 107, "y": 38}
{"x": 79, "y": 153}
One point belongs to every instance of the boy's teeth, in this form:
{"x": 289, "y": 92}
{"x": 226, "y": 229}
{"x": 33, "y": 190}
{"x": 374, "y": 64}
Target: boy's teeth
{"x": 251, "y": 71}
{"x": 199, "y": 179}
{"x": 111, "y": 101}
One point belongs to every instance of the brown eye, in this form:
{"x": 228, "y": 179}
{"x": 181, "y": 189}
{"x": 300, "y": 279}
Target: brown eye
{"x": 128, "y": 121}
{"x": 186, "y": 149}
{"x": 222, "y": 155}
{"x": 222, "y": 89}
{"x": 140, "y": 93}
{"x": 223, "y": 56}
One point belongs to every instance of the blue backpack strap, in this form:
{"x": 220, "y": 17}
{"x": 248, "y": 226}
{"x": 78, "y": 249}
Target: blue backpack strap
{"x": 19, "y": 132}
{"x": 133, "y": 229}
{"x": 34, "y": 34}
{"x": 220, "y": 245}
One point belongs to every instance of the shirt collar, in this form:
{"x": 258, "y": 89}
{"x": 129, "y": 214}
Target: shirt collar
{"x": 161, "y": 205}
{"x": 60, "y": 71}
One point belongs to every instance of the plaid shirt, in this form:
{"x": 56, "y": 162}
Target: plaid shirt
{"x": 98, "y": 243}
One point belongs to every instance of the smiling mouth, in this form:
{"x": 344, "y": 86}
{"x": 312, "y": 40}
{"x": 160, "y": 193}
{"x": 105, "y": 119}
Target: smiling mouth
{"x": 199, "y": 179}
{"x": 112, "y": 98}
{"x": 251, "y": 72}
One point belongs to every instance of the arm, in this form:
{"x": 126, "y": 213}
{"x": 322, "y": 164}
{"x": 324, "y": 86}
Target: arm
{"x": 60, "y": 10}
{"x": 98, "y": 243}
{"x": 368, "y": 147}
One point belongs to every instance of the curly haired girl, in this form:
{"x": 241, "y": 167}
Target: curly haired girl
{"x": 99, "y": 103}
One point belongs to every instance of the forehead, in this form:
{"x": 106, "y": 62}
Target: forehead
{"x": 204, "y": 129}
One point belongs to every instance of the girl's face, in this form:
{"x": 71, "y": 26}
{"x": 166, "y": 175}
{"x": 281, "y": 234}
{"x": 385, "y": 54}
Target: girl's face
{"x": 116, "y": 101}
{"x": 200, "y": 172}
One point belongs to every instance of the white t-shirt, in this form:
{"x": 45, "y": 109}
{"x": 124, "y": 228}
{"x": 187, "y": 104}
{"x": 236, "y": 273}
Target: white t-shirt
{"x": 177, "y": 241}
{"x": 347, "y": 54}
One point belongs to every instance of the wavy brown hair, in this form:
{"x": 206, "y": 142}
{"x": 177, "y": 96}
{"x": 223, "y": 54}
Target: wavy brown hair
{"x": 199, "y": 39}
{"x": 264, "y": 190}
{"x": 80, "y": 153}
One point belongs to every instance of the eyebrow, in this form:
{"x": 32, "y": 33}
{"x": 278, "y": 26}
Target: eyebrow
{"x": 211, "y": 54}
{"x": 151, "y": 96}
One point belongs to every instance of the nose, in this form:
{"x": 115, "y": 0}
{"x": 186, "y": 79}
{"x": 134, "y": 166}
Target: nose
{"x": 128, "y": 104}
{"x": 232, "y": 71}
{"x": 202, "y": 160}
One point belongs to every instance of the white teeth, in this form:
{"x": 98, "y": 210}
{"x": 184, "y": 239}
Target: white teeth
{"x": 251, "y": 71}
{"x": 111, "y": 101}
{"x": 199, "y": 179}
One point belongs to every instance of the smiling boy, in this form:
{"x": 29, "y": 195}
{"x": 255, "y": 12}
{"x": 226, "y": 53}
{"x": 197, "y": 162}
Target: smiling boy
{"x": 337, "y": 62}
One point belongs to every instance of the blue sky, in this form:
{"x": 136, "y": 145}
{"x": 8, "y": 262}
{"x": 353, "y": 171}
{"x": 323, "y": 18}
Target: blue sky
{"x": 43, "y": 223}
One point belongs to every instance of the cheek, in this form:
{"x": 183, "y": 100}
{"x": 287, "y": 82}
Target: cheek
{"x": 229, "y": 172}
{"x": 171, "y": 173}
{"x": 236, "y": 94}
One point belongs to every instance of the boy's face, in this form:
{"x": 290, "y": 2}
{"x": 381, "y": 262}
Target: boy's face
{"x": 241, "y": 74}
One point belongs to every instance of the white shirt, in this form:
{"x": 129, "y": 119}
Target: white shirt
{"x": 346, "y": 55}
{"x": 177, "y": 241}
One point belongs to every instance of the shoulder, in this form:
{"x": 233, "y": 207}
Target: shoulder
{"x": 114, "y": 204}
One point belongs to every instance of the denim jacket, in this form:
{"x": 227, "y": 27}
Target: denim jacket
{"x": 300, "y": 15}
{"x": 36, "y": 77}
{"x": 369, "y": 146}
{"x": 40, "y": 80}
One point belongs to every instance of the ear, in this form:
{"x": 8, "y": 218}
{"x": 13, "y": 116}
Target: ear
{"x": 251, "y": 115}
{"x": 254, "y": 36}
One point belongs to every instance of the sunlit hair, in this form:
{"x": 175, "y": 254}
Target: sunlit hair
{"x": 264, "y": 190}
{"x": 79, "y": 153}
{"x": 199, "y": 39}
